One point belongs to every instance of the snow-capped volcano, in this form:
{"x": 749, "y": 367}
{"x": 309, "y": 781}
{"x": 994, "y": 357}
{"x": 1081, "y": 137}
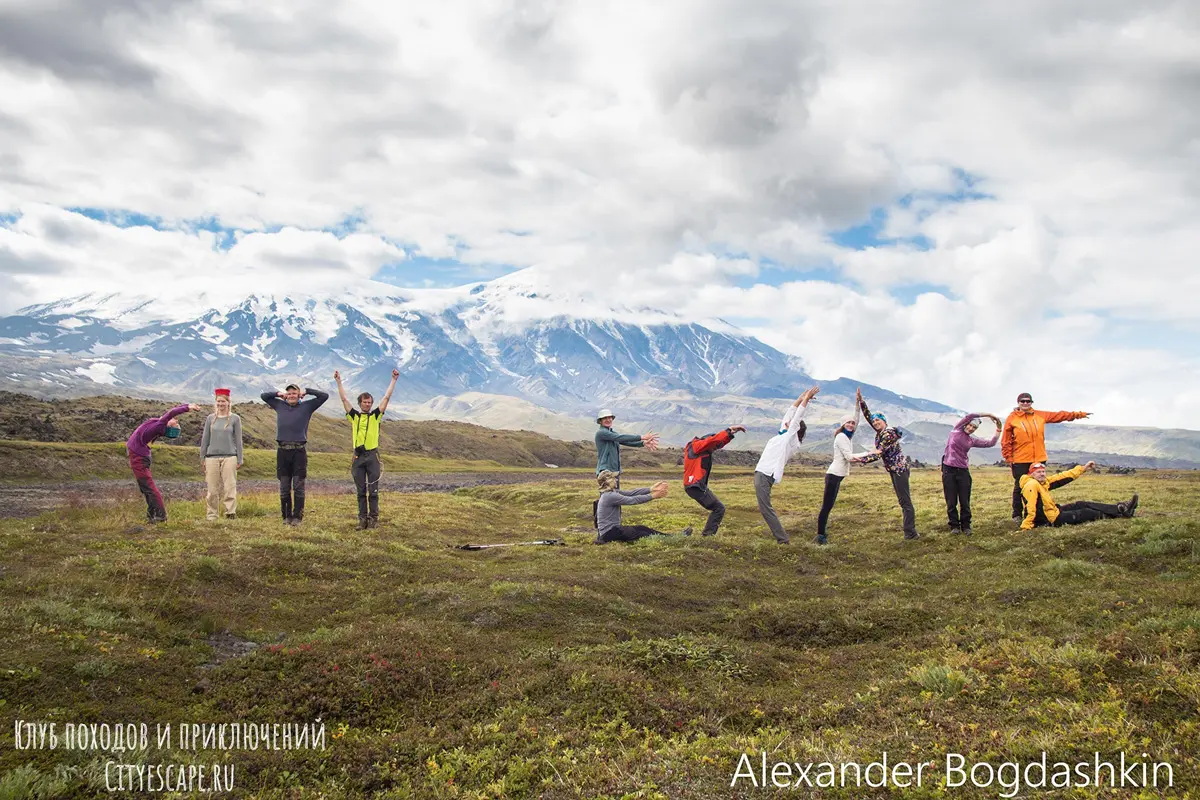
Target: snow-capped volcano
{"x": 506, "y": 337}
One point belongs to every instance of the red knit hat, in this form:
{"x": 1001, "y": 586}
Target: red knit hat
{"x": 221, "y": 392}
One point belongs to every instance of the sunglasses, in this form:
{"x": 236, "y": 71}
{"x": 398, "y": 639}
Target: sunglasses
{"x": 1025, "y": 402}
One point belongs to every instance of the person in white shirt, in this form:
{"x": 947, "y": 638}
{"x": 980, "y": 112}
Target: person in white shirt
{"x": 775, "y": 456}
{"x": 839, "y": 468}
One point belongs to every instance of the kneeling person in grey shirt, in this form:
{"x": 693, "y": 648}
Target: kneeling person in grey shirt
{"x": 608, "y": 510}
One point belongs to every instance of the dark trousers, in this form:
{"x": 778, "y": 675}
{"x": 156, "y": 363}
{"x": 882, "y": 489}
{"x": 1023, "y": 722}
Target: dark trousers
{"x": 904, "y": 497}
{"x": 1085, "y": 511}
{"x": 366, "y": 471}
{"x": 291, "y": 468}
{"x": 832, "y": 484}
{"x": 1017, "y": 471}
{"x": 156, "y": 510}
{"x": 956, "y": 486}
{"x": 716, "y": 509}
{"x": 626, "y": 533}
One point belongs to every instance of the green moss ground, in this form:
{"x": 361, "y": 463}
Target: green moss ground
{"x": 620, "y": 671}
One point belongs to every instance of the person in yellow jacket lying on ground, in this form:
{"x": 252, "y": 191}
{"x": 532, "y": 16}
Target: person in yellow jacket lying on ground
{"x": 1041, "y": 510}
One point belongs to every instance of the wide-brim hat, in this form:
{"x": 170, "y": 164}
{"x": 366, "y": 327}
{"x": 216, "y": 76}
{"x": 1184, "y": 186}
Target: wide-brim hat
{"x": 605, "y": 412}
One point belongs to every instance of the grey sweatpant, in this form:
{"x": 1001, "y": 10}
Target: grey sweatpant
{"x": 762, "y": 493}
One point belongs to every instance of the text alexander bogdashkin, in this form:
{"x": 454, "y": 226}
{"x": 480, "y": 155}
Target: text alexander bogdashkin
{"x": 954, "y": 770}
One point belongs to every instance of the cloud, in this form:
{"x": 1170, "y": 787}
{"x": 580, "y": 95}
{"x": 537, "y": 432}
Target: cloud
{"x": 1037, "y": 160}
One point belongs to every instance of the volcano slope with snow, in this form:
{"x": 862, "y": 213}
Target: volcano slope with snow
{"x": 505, "y": 354}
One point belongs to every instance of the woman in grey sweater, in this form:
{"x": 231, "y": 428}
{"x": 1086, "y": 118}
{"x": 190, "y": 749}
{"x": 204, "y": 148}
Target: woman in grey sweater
{"x": 221, "y": 456}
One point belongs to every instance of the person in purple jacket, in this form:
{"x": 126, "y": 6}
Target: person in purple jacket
{"x": 138, "y": 448}
{"x": 956, "y": 475}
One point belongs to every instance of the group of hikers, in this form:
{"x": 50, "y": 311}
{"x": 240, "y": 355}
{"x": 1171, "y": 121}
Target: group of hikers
{"x": 221, "y": 450}
{"x": 1021, "y": 435}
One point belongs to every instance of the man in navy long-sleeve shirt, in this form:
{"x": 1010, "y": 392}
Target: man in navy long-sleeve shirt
{"x": 291, "y": 436}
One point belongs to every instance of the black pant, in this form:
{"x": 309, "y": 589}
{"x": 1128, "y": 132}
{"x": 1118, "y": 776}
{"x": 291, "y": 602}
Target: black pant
{"x": 626, "y": 533}
{"x": 291, "y": 468}
{"x": 900, "y": 485}
{"x": 956, "y": 486}
{"x": 832, "y": 484}
{"x": 1017, "y": 471}
{"x": 366, "y": 471}
{"x": 716, "y": 509}
{"x": 1085, "y": 511}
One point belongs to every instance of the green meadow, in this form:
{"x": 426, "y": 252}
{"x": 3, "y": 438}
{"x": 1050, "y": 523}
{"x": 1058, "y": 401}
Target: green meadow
{"x": 617, "y": 671}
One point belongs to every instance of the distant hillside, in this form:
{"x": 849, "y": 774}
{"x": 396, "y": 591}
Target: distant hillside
{"x": 111, "y": 418}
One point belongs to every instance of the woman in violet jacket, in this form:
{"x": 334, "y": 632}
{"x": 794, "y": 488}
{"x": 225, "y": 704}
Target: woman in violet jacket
{"x": 138, "y": 448}
{"x": 956, "y": 473}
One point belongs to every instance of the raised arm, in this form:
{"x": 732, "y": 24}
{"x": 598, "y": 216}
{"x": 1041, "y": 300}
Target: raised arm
{"x": 862, "y": 406}
{"x": 387, "y": 396}
{"x": 337, "y": 378}
{"x": 796, "y": 410}
{"x": 320, "y": 396}
{"x": 962, "y": 423}
{"x": 271, "y": 398}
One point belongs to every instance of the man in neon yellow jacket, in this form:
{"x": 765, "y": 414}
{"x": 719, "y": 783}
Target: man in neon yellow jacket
{"x": 1041, "y": 510}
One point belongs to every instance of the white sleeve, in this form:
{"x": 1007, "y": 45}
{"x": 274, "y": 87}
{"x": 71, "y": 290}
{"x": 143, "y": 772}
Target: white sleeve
{"x": 843, "y": 445}
{"x": 787, "y": 418}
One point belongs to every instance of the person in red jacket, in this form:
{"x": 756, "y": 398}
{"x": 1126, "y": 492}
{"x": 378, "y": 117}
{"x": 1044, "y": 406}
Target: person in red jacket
{"x": 697, "y": 464}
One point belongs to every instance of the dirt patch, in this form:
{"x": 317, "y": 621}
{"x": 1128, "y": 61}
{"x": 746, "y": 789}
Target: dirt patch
{"x": 226, "y": 646}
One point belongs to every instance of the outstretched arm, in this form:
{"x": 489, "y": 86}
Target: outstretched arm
{"x": 387, "y": 396}
{"x": 337, "y": 378}
{"x": 1062, "y": 416}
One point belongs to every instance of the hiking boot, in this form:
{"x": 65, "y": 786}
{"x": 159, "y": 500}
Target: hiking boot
{"x": 821, "y": 539}
{"x": 1128, "y": 508}
{"x": 708, "y": 533}
{"x": 955, "y": 530}
{"x": 687, "y": 531}
{"x": 362, "y": 524}
{"x": 912, "y": 535}
{"x": 231, "y": 516}
{"x": 966, "y": 530}
{"x": 372, "y": 522}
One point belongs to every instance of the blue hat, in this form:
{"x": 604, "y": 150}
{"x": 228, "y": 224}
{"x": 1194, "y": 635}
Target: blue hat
{"x": 879, "y": 416}
{"x": 173, "y": 433}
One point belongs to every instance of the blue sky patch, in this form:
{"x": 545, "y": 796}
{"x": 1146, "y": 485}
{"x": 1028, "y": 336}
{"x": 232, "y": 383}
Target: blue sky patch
{"x": 909, "y": 293}
{"x": 421, "y": 271}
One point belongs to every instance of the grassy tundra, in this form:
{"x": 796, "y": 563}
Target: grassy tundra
{"x": 622, "y": 671}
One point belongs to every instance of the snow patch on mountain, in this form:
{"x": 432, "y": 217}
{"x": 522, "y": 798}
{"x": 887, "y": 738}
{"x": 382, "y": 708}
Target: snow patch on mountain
{"x": 99, "y": 372}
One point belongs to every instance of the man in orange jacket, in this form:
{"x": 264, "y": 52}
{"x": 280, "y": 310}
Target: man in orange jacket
{"x": 1023, "y": 441}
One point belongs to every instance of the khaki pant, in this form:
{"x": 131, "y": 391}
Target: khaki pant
{"x": 221, "y": 476}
